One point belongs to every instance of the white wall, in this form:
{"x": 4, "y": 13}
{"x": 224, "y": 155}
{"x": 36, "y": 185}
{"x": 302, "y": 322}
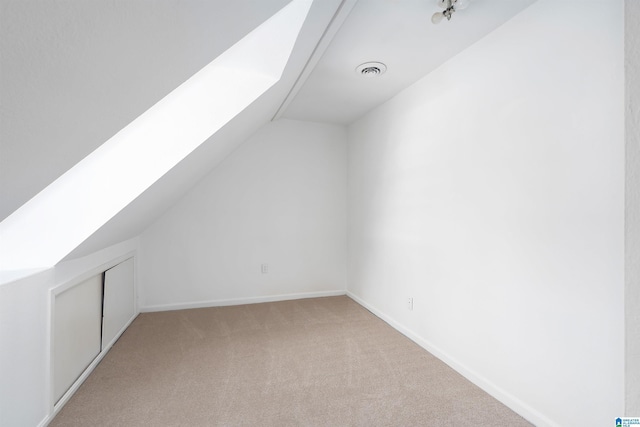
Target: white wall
{"x": 492, "y": 191}
{"x": 24, "y": 319}
{"x": 24, "y": 335}
{"x": 632, "y": 209}
{"x": 279, "y": 199}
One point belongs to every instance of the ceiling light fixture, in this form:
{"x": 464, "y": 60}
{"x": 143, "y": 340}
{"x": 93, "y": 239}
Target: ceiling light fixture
{"x": 449, "y": 6}
{"x": 371, "y": 69}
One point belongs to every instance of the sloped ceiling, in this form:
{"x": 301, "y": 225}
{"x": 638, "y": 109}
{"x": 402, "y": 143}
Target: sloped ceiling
{"x": 77, "y": 72}
{"x": 400, "y": 34}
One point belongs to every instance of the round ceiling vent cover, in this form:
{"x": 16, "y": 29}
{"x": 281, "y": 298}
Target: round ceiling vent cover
{"x": 371, "y": 69}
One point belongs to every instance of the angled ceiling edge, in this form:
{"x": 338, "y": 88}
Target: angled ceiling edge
{"x": 59, "y": 218}
{"x": 323, "y": 22}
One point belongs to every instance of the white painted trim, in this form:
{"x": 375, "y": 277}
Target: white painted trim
{"x": 53, "y": 407}
{"x": 136, "y": 284}
{"x": 46, "y": 420}
{"x": 49, "y": 365}
{"x": 124, "y": 328}
{"x": 65, "y": 397}
{"x": 239, "y": 301}
{"x": 515, "y": 404}
{"x": 92, "y": 272}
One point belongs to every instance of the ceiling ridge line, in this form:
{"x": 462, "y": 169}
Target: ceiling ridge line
{"x": 338, "y": 18}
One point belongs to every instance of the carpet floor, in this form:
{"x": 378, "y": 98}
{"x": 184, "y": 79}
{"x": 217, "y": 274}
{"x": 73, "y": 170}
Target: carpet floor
{"x": 313, "y": 362}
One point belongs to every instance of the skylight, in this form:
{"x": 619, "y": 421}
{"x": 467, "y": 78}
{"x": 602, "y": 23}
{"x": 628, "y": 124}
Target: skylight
{"x": 53, "y": 223}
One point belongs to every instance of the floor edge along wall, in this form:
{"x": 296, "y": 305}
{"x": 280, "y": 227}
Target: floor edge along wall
{"x": 498, "y": 393}
{"x": 239, "y": 301}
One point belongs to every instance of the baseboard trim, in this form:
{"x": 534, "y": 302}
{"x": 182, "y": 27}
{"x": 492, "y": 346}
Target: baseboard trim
{"x": 45, "y": 422}
{"x": 515, "y": 404}
{"x": 239, "y": 301}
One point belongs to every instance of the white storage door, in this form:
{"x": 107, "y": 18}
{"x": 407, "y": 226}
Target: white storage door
{"x": 119, "y": 300}
{"x": 77, "y": 327}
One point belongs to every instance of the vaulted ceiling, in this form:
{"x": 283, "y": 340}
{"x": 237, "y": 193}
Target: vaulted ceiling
{"x": 73, "y": 73}
{"x": 76, "y": 72}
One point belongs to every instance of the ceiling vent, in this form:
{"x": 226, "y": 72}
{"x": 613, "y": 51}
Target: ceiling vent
{"x": 371, "y": 69}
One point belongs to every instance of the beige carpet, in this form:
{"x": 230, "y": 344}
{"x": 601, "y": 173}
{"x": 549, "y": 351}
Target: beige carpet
{"x": 313, "y": 362}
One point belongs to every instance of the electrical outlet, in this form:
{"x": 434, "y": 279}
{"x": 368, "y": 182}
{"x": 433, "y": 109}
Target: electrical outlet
{"x": 264, "y": 268}
{"x": 410, "y": 303}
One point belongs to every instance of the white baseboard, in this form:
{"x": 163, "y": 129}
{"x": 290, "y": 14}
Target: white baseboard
{"x": 507, "y": 399}
{"x": 239, "y": 301}
{"x": 45, "y": 422}
{"x": 515, "y": 404}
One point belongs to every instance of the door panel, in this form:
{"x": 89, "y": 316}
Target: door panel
{"x": 77, "y": 331}
{"x": 119, "y": 300}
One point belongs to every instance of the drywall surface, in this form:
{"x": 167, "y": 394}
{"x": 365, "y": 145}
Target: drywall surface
{"x": 632, "y": 209}
{"x": 25, "y": 398}
{"x": 204, "y": 29}
{"x": 279, "y": 199}
{"x": 76, "y": 72}
{"x": 492, "y": 192}
{"x": 24, "y": 319}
